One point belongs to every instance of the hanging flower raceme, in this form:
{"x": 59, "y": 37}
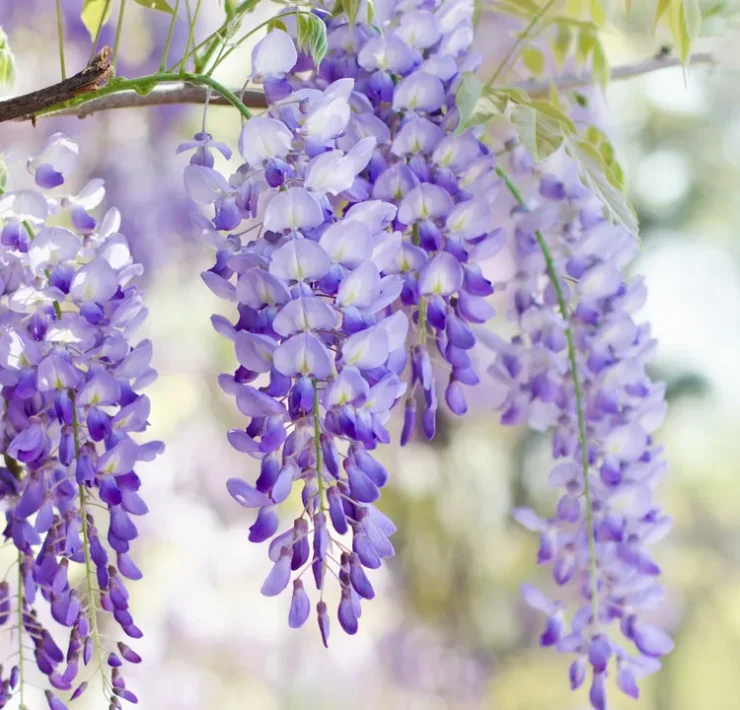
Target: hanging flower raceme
{"x": 374, "y": 212}
{"x": 578, "y": 368}
{"x": 319, "y": 351}
{"x": 71, "y": 401}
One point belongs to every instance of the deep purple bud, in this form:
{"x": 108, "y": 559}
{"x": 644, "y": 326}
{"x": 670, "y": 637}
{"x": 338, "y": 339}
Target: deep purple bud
{"x": 359, "y": 579}
{"x": 455, "y": 397}
{"x": 114, "y": 661}
{"x": 279, "y": 576}
{"x": 346, "y": 613}
{"x": 300, "y": 606}
{"x": 87, "y": 650}
{"x": 597, "y": 694}
{"x": 409, "y": 422}
{"x": 336, "y": 510}
{"x": 4, "y": 602}
{"x": 54, "y": 702}
{"x": 323, "y": 619}
{"x": 577, "y": 673}
{"x": 81, "y": 688}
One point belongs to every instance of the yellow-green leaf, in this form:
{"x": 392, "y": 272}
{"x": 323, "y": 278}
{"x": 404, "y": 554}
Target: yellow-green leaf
{"x": 600, "y": 64}
{"x": 276, "y": 24}
{"x": 660, "y": 10}
{"x": 160, "y": 5}
{"x": 534, "y": 60}
{"x": 561, "y": 45}
{"x": 597, "y": 176}
{"x": 598, "y": 12}
{"x": 351, "y": 8}
{"x": 7, "y": 62}
{"x": 685, "y": 21}
{"x": 466, "y": 99}
{"x": 311, "y": 34}
{"x": 553, "y": 112}
{"x": 538, "y": 133}
{"x": 520, "y": 8}
{"x": 94, "y": 14}
{"x": 584, "y": 45}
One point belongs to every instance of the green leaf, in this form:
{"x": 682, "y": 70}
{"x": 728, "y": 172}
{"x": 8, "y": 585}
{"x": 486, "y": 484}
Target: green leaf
{"x": 95, "y": 13}
{"x": 598, "y": 177}
{"x": 585, "y": 45}
{"x": 660, "y": 10}
{"x": 351, "y": 8}
{"x": 7, "y": 62}
{"x": 466, "y": 99}
{"x": 160, "y": 5}
{"x": 553, "y": 112}
{"x": 276, "y": 24}
{"x": 561, "y": 45}
{"x": 541, "y": 135}
{"x": 312, "y": 36}
{"x": 534, "y": 60}
{"x": 598, "y": 12}
{"x": 602, "y": 71}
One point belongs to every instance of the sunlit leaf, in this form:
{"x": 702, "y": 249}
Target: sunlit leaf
{"x": 276, "y": 24}
{"x": 7, "y": 62}
{"x": 585, "y": 45}
{"x": 160, "y": 5}
{"x": 598, "y": 12}
{"x": 600, "y": 64}
{"x": 597, "y": 176}
{"x": 541, "y": 135}
{"x": 94, "y": 14}
{"x": 466, "y": 99}
{"x": 561, "y": 45}
{"x": 533, "y": 60}
{"x": 311, "y": 33}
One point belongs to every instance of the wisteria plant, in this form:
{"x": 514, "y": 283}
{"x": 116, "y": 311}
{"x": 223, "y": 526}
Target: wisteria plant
{"x": 361, "y": 202}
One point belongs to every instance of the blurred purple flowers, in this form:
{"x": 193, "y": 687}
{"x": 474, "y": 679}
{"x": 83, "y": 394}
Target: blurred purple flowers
{"x": 71, "y": 385}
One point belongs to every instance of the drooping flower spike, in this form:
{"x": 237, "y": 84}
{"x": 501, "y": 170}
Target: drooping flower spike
{"x": 359, "y": 271}
{"x": 71, "y": 384}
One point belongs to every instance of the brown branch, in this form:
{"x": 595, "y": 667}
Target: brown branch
{"x": 191, "y": 94}
{"x": 93, "y": 77}
{"x": 162, "y": 96}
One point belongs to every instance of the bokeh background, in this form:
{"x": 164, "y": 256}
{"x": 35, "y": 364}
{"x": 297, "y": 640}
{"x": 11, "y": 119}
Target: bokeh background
{"x": 447, "y": 629}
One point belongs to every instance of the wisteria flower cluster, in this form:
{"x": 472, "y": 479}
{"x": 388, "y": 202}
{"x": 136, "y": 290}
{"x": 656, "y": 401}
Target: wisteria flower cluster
{"x": 71, "y": 407}
{"x": 351, "y": 238}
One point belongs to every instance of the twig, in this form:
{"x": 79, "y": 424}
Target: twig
{"x": 191, "y": 94}
{"x": 540, "y": 87}
{"x": 160, "y": 96}
{"x": 93, "y": 77}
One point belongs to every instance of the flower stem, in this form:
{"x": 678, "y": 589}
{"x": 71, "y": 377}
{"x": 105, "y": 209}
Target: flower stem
{"x": 317, "y": 441}
{"x": 213, "y": 39}
{"x": 103, "y": 18}
{"x": 168, "y": 42}
{"x": 60, "y": 36}
{"x": 119, "y": 32}
{"x": 522, "y": 37}
{"x": 86, "y": 546}
{"x": 21, "y": 682}
{"x": 582, "y": 438}
{"x": 191, "y": 33}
